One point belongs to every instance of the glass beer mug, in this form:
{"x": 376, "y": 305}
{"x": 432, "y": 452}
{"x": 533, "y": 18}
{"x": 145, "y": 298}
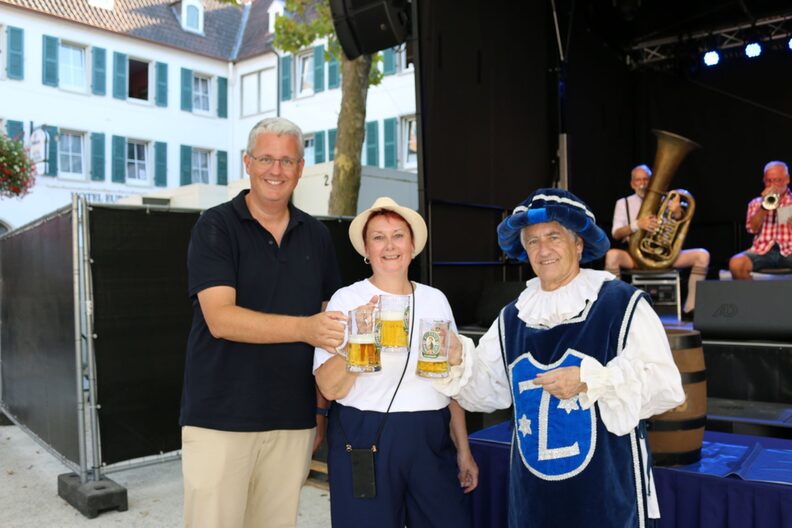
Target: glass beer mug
{"x": 435, "y": 340}
{"x": 393, "y": 324}
{"x": 362, "y": 354}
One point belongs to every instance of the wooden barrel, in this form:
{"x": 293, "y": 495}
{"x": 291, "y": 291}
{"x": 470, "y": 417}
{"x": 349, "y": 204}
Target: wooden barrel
{"x": 676, "y": 435}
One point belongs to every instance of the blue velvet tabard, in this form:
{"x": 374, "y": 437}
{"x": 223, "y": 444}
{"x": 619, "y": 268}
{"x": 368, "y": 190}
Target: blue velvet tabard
{"x": 566, "y": 468}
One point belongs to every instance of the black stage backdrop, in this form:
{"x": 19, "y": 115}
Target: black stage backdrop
{"x": 488, "y": 111}
{"x": 39, "y": 356}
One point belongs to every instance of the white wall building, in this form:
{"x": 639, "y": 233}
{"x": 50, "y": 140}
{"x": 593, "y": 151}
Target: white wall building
{"x": 145, "y": 94}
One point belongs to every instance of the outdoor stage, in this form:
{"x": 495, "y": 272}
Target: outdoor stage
{"x": 741, "y": 481}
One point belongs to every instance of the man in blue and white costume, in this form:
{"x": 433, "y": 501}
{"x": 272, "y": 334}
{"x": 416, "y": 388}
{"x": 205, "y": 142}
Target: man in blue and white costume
{"x": 583, "y": 359}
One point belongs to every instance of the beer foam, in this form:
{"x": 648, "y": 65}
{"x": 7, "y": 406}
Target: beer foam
{"x": 392, "y": 316}
{"x": 362, "y": 339}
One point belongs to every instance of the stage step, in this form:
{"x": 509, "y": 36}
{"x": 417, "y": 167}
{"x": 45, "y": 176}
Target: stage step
{"x": 317, "y": 476}
{"x": 749, "y": 417}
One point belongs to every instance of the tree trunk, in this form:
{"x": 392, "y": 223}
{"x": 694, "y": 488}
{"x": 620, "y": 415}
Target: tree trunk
{"x": 349, "y": 138}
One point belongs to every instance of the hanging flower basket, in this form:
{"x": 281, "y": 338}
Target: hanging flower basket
{"x": 17, "y": 171}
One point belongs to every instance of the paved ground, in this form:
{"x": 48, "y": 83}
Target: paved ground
{"x": 29, "y": 494}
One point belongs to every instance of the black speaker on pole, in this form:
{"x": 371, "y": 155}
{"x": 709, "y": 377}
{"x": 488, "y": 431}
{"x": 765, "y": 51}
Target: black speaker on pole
{"x": 367, "y": 26}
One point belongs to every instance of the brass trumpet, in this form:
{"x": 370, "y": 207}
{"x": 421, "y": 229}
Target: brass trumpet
{"x": 770, "y": 201}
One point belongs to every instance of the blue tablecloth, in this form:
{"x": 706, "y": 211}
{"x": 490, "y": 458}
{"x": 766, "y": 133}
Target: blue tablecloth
{"x": 726, "y": 488}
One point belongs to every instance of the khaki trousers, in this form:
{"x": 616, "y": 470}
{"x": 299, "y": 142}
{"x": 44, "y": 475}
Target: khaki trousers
{"x": 244, "y": 480}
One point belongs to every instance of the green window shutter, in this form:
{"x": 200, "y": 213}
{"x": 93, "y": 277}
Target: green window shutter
{"x": 222, "y": 97}
{"x": 186, "y": 89}
{"x": 319, "y": 147}
{"x": 15, "y": 130}
{"x": 98, "y": 71}
{"x": 222, "y": 167}
{"x": 389, "y": 140}
{"x": 97, "y": 156}
{"x": 52, "y": 152}
{"x": 15, "y": 67}
{"x": 285, "y": 77}
{"x": 185, "y": 169}
{"x": 388, "y": 61}
{"x": 372, "y": 144}
{"x": 160, "y": 164}
{"x": 331, "y": 136}
{"x": 118, "y": 172}
{"x": 333, "y": 74}
{"x": 319, "y": 63}
{"x": 162, "y": 84}
{"x": 119, "y": 76}
{"x": 49, "y": 74}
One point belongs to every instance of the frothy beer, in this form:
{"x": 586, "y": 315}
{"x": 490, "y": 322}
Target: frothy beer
{"x": 392, "y": 331}
{"x": 363, "y": 355}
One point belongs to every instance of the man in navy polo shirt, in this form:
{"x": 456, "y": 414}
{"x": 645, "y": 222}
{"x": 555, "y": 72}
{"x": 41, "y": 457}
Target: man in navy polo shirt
{"x": 260, "y": 272}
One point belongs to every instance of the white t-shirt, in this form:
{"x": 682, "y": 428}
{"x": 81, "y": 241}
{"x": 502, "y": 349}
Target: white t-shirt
{"x": 372, "y": 391}
{"x": 620, "y": 217}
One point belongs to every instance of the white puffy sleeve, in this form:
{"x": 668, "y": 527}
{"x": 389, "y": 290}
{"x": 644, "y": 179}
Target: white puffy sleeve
{"x": 641, "y": 381}
{"x": 480, "y": 382}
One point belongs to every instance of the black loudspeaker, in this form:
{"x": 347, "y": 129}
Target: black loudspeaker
{"x": 367, "y": 26}
{"x": 746, "y": 310}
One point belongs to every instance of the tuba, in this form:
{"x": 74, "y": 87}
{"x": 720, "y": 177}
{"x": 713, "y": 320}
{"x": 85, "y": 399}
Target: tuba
{"x": 660, "y": 249}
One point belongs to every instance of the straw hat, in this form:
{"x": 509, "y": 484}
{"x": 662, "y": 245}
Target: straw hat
{"x": 553, "y": 205}
{"x": 384, "y": 203}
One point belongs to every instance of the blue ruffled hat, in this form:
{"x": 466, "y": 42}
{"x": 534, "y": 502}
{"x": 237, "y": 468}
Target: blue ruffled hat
{"x": 548, "y": 205}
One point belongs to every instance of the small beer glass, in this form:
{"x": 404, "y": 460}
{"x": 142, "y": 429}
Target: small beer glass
{"x": 433, "y": 357}
{"x": 393, "y": 325}
{"x": 362, "y": 353}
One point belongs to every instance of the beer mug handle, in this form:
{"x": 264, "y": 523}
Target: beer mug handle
{"x": 341, "y": 349}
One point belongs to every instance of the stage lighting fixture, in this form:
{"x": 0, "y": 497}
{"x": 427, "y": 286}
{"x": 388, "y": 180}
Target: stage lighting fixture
{"x": 753, "y": 49}
{"x": 789, "y": 44}
{"x": 711, "y": 58}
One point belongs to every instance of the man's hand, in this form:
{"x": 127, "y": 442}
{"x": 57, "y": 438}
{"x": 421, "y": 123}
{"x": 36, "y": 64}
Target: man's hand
{"x": 323, "y": 330}
{"x": 648, "y": 223}
{"x": 321, "y": 427}
{"x": 563, "y": 383}
{"x": 468, "y": 471}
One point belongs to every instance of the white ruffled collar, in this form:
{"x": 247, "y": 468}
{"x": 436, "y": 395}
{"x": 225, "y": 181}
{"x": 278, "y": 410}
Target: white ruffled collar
{"x": 537, "y": 307}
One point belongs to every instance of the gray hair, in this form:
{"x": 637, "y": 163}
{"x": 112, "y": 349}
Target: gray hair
{"x": 776, "y": 163}
{"x": 278, "y": 126}
{"x": 644, "y": 167}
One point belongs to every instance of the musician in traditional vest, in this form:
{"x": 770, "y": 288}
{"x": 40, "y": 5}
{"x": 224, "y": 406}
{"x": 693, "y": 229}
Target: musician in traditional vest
{"x": 584, "y": 359}
{"x": 626, "y": 222}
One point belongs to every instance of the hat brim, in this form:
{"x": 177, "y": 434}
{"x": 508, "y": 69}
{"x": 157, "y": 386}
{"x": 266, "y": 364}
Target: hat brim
{"x": 415, "y": 220}
{"x": 595, "y": 241}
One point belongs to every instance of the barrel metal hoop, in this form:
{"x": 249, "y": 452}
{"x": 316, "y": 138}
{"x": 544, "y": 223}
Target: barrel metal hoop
{"x": 676, "y": 459}
{"x": 658, "y": 426}
{"x": 684, "y": 340}
{"x": 693, "y": 377}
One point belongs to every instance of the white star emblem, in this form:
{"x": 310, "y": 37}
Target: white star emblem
{"x": 569, "y": 405}
{"x": 525, "y": 425}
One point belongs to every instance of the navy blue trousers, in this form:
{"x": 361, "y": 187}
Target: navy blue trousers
{"x": 415, "y": 469}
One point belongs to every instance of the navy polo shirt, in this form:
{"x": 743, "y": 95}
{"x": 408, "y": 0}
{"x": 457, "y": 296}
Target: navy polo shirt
{"x": 235, "y": 386}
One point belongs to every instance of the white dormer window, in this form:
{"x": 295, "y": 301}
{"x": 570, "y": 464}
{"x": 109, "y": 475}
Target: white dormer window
{"x": 192, "y": 16}
{"x": 274, "y": 11}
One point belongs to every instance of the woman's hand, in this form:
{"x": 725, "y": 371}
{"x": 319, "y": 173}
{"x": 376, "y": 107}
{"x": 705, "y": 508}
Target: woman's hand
{"x": 468, "y": 471}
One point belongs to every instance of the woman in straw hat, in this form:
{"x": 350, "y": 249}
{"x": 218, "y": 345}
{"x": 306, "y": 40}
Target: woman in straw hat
{"x": 419, "y": 478}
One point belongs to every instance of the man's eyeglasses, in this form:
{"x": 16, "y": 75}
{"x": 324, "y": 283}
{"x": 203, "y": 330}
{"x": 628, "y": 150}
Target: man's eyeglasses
{"x": 287, "y": 164}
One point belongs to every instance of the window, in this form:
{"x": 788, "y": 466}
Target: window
{"x": 409, "y": 142}
{"x": 402, "y": 65}
{"x": 192, "y": 16}
{"x": 71, "y": 67}
{"x": 200, "y": 166}
{"x": 136, "y": 162}
{"x": 258, "y": 93}
{"x": 200, "y": 93}
{"x": 70, "y": 154}
{"x": 305, "y": 74}
{"x": 310, "y": 150}
{"x": 138, "y": 79}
